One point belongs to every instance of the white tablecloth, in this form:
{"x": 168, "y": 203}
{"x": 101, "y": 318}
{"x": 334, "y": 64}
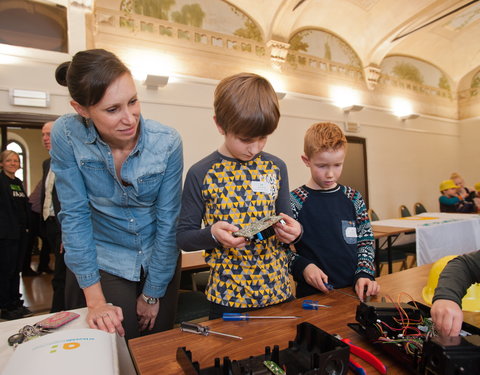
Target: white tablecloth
{"x": 439, "y": 234}
{"x": 8, "y": 328}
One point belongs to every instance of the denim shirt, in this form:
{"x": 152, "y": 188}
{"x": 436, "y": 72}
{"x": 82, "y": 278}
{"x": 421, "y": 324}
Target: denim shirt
{"x": 107, "y": 225}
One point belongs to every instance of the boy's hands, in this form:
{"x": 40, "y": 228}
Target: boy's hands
{"x": 365, "y": 287}
{"x": 288, "y": 232}
{"x": 447, "y": 316}
{"x": 315, "y": 277}
{"x": 222, "y": 231}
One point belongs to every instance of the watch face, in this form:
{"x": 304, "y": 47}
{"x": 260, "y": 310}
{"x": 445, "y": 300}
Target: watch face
{"x": 150, "y": 300}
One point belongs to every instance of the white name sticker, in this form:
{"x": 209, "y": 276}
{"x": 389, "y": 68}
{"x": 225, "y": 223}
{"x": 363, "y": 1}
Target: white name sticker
{"x": 351, "y": 232}
{"x": 260, "y": 187}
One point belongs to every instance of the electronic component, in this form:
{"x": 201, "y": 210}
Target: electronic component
{"x": 406, "y": 332}
{"x": 259, "y": 230}
{"x": 274, "y": 368}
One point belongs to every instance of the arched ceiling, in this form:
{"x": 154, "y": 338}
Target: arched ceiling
{"x": 444, "y": 33}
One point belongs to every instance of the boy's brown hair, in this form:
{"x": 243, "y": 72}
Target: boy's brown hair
{"x": 323, "y": 136}
{"x": 246, "y": 105}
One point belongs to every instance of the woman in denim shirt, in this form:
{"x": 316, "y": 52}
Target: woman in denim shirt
{"x": 118, "y": 178}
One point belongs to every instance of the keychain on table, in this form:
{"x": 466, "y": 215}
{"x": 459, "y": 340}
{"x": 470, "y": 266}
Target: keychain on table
{"x": 42, "y": 327}
{"x": 26, "y": 333}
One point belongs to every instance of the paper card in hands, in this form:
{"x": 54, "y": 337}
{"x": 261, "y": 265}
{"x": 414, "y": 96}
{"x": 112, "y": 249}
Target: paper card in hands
{"x": 260, "y": 229}
{"x": 57, "y": 320}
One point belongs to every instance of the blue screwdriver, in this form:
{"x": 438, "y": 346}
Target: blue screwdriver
{"x": 243, "y": 316}
{"x": 309, "y": 304}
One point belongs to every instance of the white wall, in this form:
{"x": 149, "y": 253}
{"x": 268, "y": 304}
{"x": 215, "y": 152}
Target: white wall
{"x": 406, "y": 161}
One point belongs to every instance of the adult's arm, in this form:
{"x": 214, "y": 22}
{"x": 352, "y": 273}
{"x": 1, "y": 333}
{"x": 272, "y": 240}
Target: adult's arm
{"x": 165, "y": 252}
{"x": 75, "y": 214}
{"x": 457, "y": 276}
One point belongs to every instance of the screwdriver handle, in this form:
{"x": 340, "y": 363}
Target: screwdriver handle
{"x": 194, "y": 328}
{"x": 230, "y": 317}
{"x": 309, "y": 305}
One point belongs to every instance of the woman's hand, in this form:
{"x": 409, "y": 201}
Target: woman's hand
{"x": 102, "y": 315}
{"x": 288, "y": 232}
{"x": 315, "y": 277}
{"x": 146, "y": 314}
{"x": 106, "y": 317}
{"x": 222, "y": 231}
{"x": 365, "y": 287}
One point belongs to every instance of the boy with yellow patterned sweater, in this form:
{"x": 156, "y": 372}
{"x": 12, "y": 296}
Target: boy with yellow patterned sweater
{"x": 233, "y": 187}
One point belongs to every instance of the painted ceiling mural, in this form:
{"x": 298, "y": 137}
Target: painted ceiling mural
{"x": 476, "y": 81}
{"x": 415, "y": 70}
{"x": 212, "y": 15}
{"x": 325, "y": 46}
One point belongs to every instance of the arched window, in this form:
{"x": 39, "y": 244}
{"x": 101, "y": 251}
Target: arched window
{"x": 20, "y": 150}
{"x": 34, "y": 24}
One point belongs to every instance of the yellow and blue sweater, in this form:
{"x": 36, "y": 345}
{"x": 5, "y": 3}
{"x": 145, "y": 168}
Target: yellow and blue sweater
{"x": 218, "y": 188}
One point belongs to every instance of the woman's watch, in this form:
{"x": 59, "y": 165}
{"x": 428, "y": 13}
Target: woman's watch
{"x": 149, "y": 300}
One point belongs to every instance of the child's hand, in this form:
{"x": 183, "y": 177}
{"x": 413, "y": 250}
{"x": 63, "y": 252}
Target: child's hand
{"x": 288, "y": 232}
{"x": 315, "y": 277}
{"x": 365, "y": 287}
{"x": 222, "y": 231}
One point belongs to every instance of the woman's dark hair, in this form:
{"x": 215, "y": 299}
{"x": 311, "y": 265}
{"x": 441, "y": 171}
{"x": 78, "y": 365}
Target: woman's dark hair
{"x": 89, "y": 74}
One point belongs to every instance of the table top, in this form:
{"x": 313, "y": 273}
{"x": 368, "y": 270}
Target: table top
{"x": 193, "y": 260}
{"x": 385, "y": 230}
{"x": 157, "y": 352}
{"x": 424, "y": 219}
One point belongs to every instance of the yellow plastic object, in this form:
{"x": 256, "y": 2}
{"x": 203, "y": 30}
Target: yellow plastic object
{"x": 447, "y": 184}
{"x": 471, "y": 300}
{"x": 477, "y": 186}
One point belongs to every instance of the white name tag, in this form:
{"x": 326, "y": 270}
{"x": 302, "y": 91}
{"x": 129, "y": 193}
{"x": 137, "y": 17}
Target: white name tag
{"x": 260, "y": 187}
{"x": 351, "y": 232}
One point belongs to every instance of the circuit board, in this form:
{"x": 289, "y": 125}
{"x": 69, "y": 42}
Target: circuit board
{"x": 262, "y": 227}
{"x": 406, "y": 332}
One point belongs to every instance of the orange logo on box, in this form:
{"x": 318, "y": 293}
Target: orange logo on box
{"x": 66, "y": 346}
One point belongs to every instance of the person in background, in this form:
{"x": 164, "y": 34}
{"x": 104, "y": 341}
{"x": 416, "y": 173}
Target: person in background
{"x": 462, "y": 191}
{"x": 118, "y": 177}
{"x": 457, "y": 276}
{"x": 451, "y": 202}
{"x": 33, "y": 234}
{"x": 50, "y": 225}
{"x": 337, "y": 246}
{"x": 476, "y": 199}
{"x": 237, "y": 185}
{"x": 14, "y": 227}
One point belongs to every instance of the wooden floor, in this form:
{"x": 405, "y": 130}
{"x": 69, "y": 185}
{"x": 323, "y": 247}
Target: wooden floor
{"x": 37, "y": 291}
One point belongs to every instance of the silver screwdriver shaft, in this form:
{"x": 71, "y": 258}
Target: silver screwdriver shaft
{"x": 225, "y": 334}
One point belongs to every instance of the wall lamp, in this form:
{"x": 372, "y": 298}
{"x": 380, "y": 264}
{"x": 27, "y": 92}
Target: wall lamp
{"x": 352, "y": 108}
{"x": 411, "y": 116}
{"x": 153, "y": 82}
{"x": 280, "y": 94}
{"x": 29, "y": 98}
{"x": 352, "y": 127}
